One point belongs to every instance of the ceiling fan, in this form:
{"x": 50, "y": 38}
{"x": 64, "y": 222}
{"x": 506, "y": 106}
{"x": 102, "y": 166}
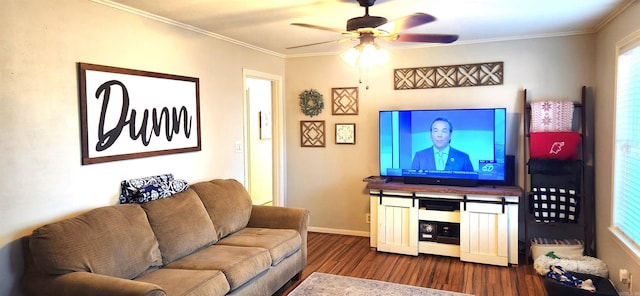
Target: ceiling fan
{"x": 367, "y": 28}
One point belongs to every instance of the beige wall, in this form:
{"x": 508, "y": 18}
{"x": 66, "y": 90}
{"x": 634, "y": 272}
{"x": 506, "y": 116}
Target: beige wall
{"x": 609, "y": 249}
{"x": 328, "y": 180}
{"x": 40, "y": 44}
{"x": 43, "y": 181}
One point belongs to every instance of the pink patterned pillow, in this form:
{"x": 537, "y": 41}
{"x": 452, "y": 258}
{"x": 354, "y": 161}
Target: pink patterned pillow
{"x": 551, "y": 116}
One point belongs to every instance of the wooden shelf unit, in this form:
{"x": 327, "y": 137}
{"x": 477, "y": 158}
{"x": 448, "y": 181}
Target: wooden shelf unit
{"x": 584, "y": 229}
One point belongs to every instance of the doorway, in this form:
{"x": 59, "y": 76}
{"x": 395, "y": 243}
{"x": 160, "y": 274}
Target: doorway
{"x": 263, "y": 138}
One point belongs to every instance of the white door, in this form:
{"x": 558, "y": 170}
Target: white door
{"x": 265, "y": 174}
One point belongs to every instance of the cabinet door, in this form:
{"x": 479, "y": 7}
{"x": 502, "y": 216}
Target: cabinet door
{"x": 398, "y": 226}
{"x": 484, "y": 233}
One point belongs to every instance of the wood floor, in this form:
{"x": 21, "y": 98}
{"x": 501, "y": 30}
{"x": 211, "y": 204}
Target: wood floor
{"x": 352, "y": 256}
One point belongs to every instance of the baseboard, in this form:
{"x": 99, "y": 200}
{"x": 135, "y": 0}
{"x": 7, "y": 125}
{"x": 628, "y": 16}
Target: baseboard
{"x": 339, "y": 231}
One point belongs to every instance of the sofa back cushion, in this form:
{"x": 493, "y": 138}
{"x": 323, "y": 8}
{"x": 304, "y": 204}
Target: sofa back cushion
{"x": 227, "y": 202}
{"x": 181, "y": 224}
{"x": 115, "y": 241}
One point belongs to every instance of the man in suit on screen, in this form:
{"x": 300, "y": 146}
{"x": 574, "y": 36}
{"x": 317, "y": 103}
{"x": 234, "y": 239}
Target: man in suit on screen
{"x": 441, "y": 156}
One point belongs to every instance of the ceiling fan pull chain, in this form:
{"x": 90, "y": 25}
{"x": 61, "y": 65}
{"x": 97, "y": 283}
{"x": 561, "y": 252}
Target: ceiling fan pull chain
{"x": 366, "y": 77}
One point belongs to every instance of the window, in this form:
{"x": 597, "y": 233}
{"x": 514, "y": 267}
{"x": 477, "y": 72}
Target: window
{"x": 626, "y": 177}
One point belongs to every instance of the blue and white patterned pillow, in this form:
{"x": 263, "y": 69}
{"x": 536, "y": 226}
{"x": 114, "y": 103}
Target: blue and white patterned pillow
{"x": 141, "y": 190}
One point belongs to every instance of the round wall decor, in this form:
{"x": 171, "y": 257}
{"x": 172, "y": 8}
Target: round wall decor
{"x": 311, "y": 102}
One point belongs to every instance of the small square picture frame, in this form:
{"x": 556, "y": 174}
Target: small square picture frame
{"x": 312, "y": 133}
{"x": 344, "y": 101}
{"x": 346, "y": 133}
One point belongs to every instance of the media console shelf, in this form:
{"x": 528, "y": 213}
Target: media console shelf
{"x": 477, "y": 224}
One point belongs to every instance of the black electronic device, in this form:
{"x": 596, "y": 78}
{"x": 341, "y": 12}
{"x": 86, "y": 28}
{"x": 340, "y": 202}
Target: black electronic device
{"x": 459, "y": 147}
{"x": 440, "y": 232}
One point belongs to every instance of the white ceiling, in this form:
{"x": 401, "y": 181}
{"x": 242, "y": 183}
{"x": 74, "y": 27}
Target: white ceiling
{"x": 265, "y": 24}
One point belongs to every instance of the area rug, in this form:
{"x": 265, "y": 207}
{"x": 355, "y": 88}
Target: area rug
{"x": 322, "y": 284}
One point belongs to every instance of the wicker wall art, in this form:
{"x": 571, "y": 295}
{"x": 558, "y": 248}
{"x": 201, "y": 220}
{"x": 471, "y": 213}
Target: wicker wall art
{"x": 312, "y": 133}
{"x": 344, "y": 101}
{"x": 449, "y": 76}
{"x": 311, "y": 102}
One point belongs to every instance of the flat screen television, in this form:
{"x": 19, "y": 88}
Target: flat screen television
{"x": 461, "y": 147}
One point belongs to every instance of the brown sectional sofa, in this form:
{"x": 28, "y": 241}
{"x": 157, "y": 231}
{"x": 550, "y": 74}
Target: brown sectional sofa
{"x": 207, "y": 240}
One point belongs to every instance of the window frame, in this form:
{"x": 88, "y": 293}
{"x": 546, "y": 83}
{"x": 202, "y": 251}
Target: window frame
{"x": 627, "y": 44}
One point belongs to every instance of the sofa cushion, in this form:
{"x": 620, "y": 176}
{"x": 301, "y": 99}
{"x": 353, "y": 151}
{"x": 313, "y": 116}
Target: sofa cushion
{"x": 281, "y": 243}
{"x": 181, "y": 224}
{"x": 114, "y": 241}
{"x": 239, "y": 264}
{"x": 181, "y": 282}
{"x": 227, "y": 202}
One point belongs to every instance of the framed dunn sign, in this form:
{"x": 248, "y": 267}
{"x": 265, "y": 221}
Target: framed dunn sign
{"x": 129, "y": 114}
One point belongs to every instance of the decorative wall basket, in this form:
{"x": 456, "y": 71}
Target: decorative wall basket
{"x": 449, "y": 76}
{"x": 344, "y": 101}
{"x": 312, "y": 133}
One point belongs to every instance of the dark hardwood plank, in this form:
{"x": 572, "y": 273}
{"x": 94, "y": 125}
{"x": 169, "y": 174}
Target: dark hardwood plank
{"x": 351, "y": 256}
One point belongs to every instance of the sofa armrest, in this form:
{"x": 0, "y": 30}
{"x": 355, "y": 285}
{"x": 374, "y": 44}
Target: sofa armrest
{"x": 35, "y": 282}
{"x": 279, "y": 218}
{"x": 282, "y": 218}
{"x": 86, "y": 283}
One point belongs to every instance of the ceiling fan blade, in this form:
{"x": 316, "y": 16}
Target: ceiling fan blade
{"x": 322, "y": 28}
{"x": 407, "y": 22}
{"x": 431, "y": 38}
{"x": 318, "y": 43}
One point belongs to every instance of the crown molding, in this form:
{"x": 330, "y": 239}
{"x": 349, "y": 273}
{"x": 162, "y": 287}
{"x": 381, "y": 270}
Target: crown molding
{"x": 611, "y": 16}
{"x": 184, "y": 26}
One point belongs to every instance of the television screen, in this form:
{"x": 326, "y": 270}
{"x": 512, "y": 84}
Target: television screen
{"x": 450, "y": 147}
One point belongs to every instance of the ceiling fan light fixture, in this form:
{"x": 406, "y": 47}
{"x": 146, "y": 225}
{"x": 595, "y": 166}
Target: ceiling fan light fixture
{"x": 351, "y": 56}
{"x": 365, "y": 56}
{"x": 383, "y": 56}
